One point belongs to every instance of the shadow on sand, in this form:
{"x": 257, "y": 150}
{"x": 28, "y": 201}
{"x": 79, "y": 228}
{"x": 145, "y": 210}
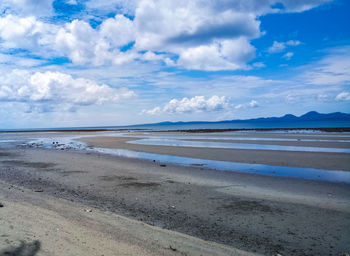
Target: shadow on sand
{"x": 24, "y": 249}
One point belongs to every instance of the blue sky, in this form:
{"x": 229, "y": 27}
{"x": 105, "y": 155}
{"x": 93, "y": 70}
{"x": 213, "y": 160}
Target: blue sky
{"x": 113, "y": 62}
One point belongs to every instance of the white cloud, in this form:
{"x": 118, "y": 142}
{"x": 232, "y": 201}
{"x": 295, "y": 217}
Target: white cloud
{"x": 118, "y": 31}
{"x": 26, "y": 33}
{"x": 293, "y": 43}
{"x": 251, "y": 104}
{"x": 72, "y": 2}
{"x": 102, "y": 7}
{"x": 331, "y": 70}
{"x": 343, "y": 96}
{"x": 195, "y": 104}
{"x": 281, "y": 46}
{"x": 258, "y": 65}
{"x": 27, "y": 7}
{"x": 201, "y": 34}
{"x": 78, "y": 40}
{"x": 52, "y": 90}
{"x": 288, "y": 55}
{"x": 228, "y": 54}
{"x": 17, "y": 61}
{"x": 301, "y": 5}
{"x": 277, "y": 47}
{"x": 83, "y": 44}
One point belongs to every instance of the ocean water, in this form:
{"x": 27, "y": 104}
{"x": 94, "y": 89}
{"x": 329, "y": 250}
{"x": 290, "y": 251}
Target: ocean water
{"x": 210, "y": 125}
{"x": 243, "y": 125}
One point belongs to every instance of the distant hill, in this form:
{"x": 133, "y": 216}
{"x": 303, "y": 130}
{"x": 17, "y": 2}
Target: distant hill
{"x": 310, "y": 116}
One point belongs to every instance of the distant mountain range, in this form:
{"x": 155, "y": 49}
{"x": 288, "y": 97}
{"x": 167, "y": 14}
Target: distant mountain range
{"x": 310, "y": 116}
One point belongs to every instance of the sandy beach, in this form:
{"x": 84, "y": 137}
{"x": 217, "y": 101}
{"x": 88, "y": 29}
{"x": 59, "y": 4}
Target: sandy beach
{"x": 73, "y": 202}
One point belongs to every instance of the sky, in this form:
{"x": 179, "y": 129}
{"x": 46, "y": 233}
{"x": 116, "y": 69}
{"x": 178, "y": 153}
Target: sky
{"x": 71, "y": 63}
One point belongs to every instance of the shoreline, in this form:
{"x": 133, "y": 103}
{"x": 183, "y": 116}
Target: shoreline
{"x": 78, "y": 129}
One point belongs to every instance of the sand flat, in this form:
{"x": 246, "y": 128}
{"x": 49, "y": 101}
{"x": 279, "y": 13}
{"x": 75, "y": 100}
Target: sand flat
{"x": 37, "y": 224}
{"x": 321, "y": 160}
{"x": 244, "y": 213}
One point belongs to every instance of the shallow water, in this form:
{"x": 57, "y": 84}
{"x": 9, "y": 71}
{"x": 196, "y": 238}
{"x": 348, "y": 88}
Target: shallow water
{"x": 225, "y": 137}
{"x": 295, "y": 172}
{"x": 201, "y": 144}
{"x": 70, "y": 143}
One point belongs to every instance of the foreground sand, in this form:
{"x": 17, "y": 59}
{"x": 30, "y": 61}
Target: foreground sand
{"x": 37, "y": 224}
{"x": 262, "y": 214}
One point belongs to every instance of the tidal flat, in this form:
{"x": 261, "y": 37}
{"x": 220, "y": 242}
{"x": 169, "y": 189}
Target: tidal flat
{"x": 201, "y": 209}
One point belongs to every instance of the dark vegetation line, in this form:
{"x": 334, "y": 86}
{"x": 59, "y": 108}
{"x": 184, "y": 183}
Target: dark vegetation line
{"x": 323, "y": 129}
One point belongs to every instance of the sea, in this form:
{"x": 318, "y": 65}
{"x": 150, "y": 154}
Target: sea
{"x": 208, "y": 125}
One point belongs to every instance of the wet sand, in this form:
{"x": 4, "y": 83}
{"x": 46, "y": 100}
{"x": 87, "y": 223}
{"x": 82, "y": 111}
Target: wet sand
{"x": 253, "y": 213}
{"x": 320, "y": 160}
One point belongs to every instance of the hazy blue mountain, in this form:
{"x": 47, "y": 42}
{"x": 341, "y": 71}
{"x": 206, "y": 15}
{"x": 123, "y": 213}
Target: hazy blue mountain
{"x": 310, "y": 116}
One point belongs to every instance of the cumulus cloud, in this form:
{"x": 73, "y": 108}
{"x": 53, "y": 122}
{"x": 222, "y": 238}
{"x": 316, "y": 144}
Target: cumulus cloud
{"x": 83, "y": 44}
{"x": 54, "y": 89}
{"x": 227, "y": 54}
{"x": 25, "y": 33}
{"x": 281, "y": 46}
{"x": 189, "y": 105}
{"x": 200, "y": 34}
{"x": 198, "y": 104}
{"x": 343, "y": 96}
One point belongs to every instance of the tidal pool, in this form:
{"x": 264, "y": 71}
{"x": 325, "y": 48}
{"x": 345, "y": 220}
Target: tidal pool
{"x": 202, "y": 144}
{"x": 295, "y": 172}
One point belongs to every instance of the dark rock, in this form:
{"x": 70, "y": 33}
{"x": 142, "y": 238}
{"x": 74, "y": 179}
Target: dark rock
{"x": 173, "y": 249}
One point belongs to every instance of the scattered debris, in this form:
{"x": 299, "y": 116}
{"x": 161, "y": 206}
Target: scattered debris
{"x": 172, "y": 248}
{"x": 198, "y": 165}
{"x": 88, "y": 210}
{"x": 38, "y": 190}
